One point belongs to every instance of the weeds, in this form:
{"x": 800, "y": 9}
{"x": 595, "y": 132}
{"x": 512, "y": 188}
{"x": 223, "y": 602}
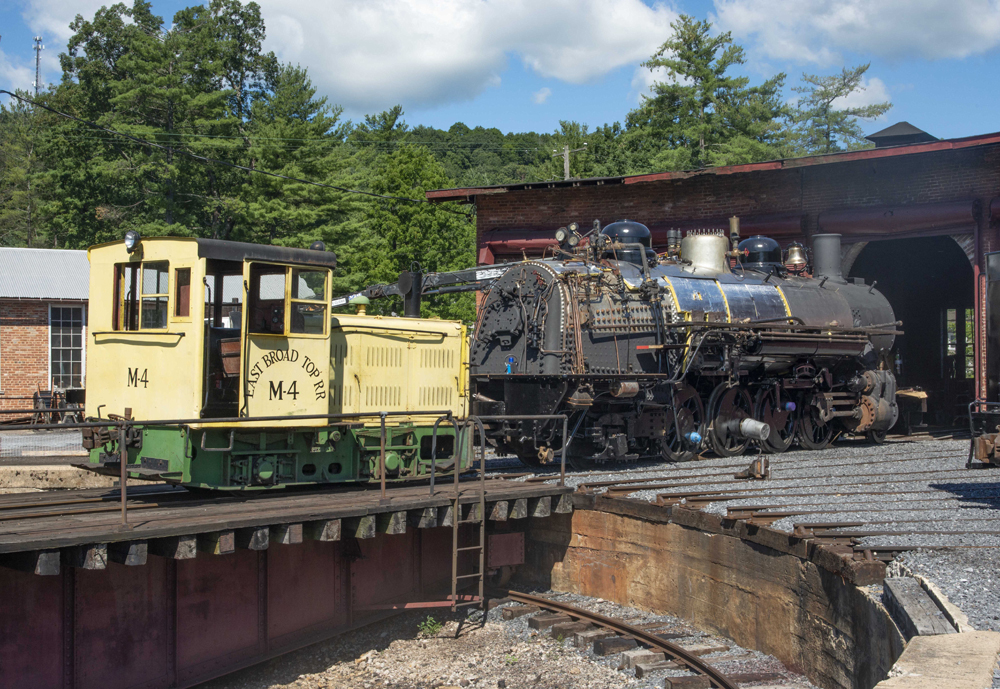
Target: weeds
{"x": 430, "y": 626}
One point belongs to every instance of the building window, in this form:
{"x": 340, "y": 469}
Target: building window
{"x": 141, "y": 296}
{"x": 66, "y": 325}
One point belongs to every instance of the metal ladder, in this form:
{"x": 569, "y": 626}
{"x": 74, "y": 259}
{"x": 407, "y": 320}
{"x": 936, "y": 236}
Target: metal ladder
{"x": 479, "y": 510}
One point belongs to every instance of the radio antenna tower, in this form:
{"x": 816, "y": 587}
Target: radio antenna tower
{"x": 38, "y": 63}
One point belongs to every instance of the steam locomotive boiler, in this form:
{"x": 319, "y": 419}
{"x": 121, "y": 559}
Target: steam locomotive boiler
{"x": 715, "y": 345}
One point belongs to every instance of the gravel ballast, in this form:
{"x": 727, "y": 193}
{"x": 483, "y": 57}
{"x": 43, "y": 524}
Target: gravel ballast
{"x": 396, "y": 654}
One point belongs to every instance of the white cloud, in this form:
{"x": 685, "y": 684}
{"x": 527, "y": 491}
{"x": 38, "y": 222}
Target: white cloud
{"x": 371, "y": 54}
{"x": 643, "y": 79}
{"x": 872, "y": 91}
{"x": 541, "y": 95}
{"x": 14, "y": 75}
{"x": 51, "y": 18}
{"x": 818, "y": 31}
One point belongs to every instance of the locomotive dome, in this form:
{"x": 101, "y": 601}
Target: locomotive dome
{"x": 628, "y": 232}
{"x": 760, "y": 253}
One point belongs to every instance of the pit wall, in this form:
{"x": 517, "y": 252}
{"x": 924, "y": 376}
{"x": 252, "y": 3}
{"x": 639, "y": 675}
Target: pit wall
{"x": 815, "y": 621}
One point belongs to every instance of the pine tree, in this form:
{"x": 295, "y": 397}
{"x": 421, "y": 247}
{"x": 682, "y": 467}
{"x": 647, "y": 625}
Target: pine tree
{"x": 700, "y": 115}
{"x": 439, "y": 237}
{"x": 20, "y": 167}
{"x": 824, "y": 128}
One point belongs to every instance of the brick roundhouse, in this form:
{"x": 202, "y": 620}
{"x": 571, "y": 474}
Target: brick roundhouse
{"x": 917, "y": 215}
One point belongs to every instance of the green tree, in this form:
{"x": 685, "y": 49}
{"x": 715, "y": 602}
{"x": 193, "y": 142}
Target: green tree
{"x": 700, "y": 115}
{"x": 20, "y": 166}
{"x": 822, "y": 127}
{"x": 439, "y": 237}
{"x": 296, "y": 134}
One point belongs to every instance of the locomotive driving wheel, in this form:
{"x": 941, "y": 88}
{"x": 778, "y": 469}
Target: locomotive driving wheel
{"x": 727, "y": 407}
{"x": 813, "y": 432}
{"x": 876, "y": 437}
{"x": 685, "y": 426}
{"x": 773, "y": 409}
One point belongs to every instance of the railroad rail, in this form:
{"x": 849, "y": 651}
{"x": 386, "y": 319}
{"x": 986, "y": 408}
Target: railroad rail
{"x": 677, "y": 653}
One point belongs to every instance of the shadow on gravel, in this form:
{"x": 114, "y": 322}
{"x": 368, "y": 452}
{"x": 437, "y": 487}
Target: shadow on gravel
{"x": 981, "y": 494}
{"x": 344, "y": 648}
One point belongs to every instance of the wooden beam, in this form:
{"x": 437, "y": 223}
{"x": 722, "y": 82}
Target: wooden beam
{"x": 286, "y": 534}
{"x": 253, "y": 538}
{"x": 131, "y": 553}
{"x": 446, "y": 515}
{"x": 565, "y": 505}
{"x": 45, "y": 563}
{"x": 93, "y": 556}
{"x": 217, "y": 542}
{"x": 499, "y": 511}
{"x": 360, "y": 527}
{"x": 540, "y": 507}
{"x": 520, "y": 509}
{"x": 175, "y": 547}
{"x": 322, "y": 530}
{"x": 426, "y": 518}
{"x": 392, "y": 523}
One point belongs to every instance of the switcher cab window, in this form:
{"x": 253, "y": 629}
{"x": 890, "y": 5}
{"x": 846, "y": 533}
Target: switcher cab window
{"x": 286, "y": 300}
{"x": 141, "y": 295}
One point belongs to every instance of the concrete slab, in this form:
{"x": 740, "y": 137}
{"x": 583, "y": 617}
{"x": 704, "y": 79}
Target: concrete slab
{"x": 956, "y": 661}
{"x": 55, "y": 476}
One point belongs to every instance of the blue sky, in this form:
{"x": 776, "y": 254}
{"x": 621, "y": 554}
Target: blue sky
{"x": 523, "y": 65}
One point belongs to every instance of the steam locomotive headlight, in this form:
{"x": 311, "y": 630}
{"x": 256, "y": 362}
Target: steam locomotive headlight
{"x": 132, "y": 240}
{"x": 561, "y": 234}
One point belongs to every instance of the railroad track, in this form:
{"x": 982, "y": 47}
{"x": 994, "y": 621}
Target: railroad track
{"x": 881, "y": 500}
{"x": 580, "y": 623}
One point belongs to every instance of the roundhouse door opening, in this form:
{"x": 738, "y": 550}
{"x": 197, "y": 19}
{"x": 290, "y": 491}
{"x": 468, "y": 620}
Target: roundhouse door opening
{"x": 929, "y": 282}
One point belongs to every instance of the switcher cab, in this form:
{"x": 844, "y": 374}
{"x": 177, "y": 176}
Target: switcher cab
{"x": 196, "y": 328}
{"x": 230, "y": 362}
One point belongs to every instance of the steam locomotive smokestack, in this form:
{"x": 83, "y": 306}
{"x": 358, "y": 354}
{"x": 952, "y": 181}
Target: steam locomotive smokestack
{"x": 826, "y": 256}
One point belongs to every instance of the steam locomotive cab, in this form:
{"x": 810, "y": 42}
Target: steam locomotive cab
{"x": 713, "y": 345}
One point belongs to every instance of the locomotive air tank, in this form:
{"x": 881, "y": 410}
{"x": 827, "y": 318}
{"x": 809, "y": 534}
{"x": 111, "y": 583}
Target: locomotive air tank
{"x": 712, "y": 346}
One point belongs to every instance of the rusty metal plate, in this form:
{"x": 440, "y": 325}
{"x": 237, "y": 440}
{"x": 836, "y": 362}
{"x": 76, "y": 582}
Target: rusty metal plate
{"x": 505, "y": 549}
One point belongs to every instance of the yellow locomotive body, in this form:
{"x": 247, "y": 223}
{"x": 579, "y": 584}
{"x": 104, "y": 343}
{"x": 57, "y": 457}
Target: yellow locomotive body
{"x": 235, "y": 373}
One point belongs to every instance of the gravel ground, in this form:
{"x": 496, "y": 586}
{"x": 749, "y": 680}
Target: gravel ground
{"x": 912, "y": 492}
{"x": 464, "y": 652}
{"x": 903, "y": 486}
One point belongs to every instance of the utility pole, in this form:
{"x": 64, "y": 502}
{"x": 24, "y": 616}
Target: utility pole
{"x": 38, "y": 63}
{"x": 565, "y": 156}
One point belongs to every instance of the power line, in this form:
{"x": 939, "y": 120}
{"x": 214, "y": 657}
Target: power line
{"x": 226, "y": 163}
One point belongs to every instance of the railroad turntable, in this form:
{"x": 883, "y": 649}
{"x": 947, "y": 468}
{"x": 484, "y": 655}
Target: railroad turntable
{"x": 310, "y": 472}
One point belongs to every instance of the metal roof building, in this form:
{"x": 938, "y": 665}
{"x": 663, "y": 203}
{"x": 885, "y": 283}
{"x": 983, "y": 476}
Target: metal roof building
{"x": 43, "y": 322}
{"x": 44, "y": 274}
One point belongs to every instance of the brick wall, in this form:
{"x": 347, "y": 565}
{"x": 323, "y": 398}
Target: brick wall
{"x": 972, "y": 173}
{"x": 24, "y": 347}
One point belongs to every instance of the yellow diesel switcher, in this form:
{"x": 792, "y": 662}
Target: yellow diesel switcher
{"x": 235, "y": 374}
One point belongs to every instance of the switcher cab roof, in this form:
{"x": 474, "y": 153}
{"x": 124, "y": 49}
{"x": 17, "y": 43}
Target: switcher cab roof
{"x": 218, "y": 249}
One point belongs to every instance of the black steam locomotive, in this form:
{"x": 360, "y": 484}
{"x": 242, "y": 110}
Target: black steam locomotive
{"x": 714, "y": 345}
